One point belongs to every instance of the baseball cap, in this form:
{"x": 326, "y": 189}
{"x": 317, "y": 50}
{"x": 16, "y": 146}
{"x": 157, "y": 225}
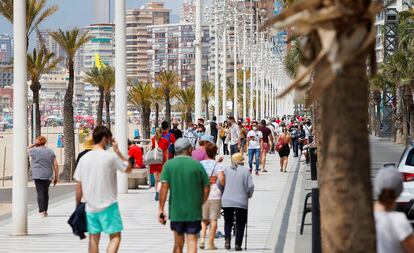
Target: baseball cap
{"x": 182, "y": 144}
{"x": 389, "y": 178}
{"x": 207, "y": 137}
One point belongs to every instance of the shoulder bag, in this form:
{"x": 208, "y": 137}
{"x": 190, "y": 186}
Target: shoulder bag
{"x": 154, "y": 156}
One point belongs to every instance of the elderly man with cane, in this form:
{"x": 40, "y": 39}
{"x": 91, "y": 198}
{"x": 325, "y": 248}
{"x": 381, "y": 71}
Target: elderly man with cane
{"x": 238, "y": 188}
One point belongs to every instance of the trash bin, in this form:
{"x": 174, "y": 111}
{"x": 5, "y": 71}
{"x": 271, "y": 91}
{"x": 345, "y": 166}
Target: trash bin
{"x": 313, "y": 158}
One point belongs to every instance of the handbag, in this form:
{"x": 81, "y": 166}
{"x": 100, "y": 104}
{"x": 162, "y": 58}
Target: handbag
{"x": 154, "y": 156}
{"x": 280, "y": 143}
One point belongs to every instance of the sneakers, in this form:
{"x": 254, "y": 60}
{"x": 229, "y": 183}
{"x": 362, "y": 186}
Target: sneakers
{"x": 264, "y": 170}
{"x": 238, "y": 248}
{"x": 227, "y": 244}
{"x": 157, "y": 196}
{"x": 43, "y": 214}
{"x": 202, "y": 245}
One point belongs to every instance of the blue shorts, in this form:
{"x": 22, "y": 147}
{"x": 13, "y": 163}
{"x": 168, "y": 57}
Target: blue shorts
{"x": 108, "y": 221}
{"x": 186, "y": 227}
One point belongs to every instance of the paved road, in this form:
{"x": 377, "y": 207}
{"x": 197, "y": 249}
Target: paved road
{"x": 267, "y": 218}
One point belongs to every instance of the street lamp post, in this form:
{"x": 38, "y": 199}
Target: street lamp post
{"x": 19, "y": 193}
{"x": 244, "y": 72}
{"x": 235, "y": 114}
{"x": 224, "y": 74}
{"x": 121, "y": 89}
{"x": 197, "y": 45}
{"x": 216, "y": 64}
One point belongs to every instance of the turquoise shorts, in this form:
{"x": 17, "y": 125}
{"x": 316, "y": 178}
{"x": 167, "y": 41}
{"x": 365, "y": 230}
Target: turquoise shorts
{"x": 108, "y": 221}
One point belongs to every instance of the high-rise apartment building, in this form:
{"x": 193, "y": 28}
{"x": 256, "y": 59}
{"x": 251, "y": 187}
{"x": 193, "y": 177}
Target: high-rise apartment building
{"x": 6, "y": 48}
{"x": 43, "y": 37}
{"x": 172, "y": 48}
{"x": 102, "y": 44}
{"x": 137, "y": 35}
{"x": 102, "y": 11}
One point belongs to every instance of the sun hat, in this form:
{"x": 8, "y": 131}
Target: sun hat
{"x": 207, "y": 137}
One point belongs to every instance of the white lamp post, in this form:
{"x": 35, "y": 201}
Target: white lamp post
{"x": 224, "y": 74}
{"x": 19, "y": 193}
{"x": 121, "y": 89}
{"x": 235, "y": 114}
{"x": 244, "y": 72}
{"x": 197, "y": 44}
{"x": 216, "y": 64}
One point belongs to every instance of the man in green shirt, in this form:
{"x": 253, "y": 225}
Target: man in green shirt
{"x": 189, "y": 187}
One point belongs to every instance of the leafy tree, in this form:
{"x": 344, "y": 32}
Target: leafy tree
{"x": 141, "y": 95}
{"x": 169, "y": 84}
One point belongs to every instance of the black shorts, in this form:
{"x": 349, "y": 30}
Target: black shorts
{"x": 285, "y": 151}
{"x": 186, "y": 227}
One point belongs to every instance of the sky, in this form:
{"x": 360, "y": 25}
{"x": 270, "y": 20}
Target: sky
{"x": 80, "y": 13}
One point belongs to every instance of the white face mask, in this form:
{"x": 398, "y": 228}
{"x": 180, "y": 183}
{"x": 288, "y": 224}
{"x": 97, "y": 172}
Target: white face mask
{"x": 254, "y": 128}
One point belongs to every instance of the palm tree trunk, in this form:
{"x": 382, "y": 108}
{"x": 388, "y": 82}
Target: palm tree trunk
{"x": 188, "y": 115}
{"x": 146, "y": 129}
{"x": 157, "y": 114}
{"x": 108, "y": 110}
{"x": 167, "y": 108}
{"x": 68, "y": 127}
{"x": 346, "y": 227}
{"x": 405, "y": 116}
{"x": 100, "y": 106}
{"x": 378, "y": 113}
{"x": 35, "y": 87}
{"x": 206, "y": 104}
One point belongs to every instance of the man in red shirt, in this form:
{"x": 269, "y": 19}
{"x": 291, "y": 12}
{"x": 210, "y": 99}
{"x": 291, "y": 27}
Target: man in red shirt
{"x": 135, "y": 152}
{"x": 170, "y": 138}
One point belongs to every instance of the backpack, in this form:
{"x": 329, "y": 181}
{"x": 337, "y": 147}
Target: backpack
{"x": 170, "y": 145}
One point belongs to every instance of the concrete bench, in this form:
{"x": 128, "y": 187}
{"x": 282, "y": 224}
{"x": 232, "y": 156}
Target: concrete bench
{"x": 137, "y": 177}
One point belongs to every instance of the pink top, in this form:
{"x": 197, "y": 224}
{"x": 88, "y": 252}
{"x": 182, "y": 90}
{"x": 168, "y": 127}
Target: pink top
{"x": 199, "y": 154}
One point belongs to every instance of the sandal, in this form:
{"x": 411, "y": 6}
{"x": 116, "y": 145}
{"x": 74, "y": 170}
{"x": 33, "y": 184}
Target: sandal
{"x": 211, "y": 247}
{"x": 202, "y": 245}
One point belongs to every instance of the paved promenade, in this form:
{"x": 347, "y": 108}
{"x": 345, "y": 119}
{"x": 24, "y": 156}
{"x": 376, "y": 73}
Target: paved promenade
{"x": 271, "y": 228}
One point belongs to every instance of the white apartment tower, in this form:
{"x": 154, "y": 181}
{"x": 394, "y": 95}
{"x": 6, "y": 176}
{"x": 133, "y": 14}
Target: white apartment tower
{"x": 102, "y": 11}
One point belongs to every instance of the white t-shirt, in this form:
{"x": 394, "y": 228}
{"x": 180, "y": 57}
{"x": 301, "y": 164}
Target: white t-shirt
{"x": 96, "y": 171}
{"x": 215, "y": 193}
{"x": 392, "y": 228}
{"x": 307, "y": 130}
{"x": 255, "y": 137}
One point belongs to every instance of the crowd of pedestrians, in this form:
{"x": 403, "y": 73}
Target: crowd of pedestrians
{"x": 187, "y": 166}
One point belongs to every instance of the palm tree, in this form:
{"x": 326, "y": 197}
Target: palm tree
{"x": 207, "y": 92}
{"x": 292, "y": 59}
{"x": 168, "y": 82}
{"x": 70, "y": 41}
{"x": 141, "y": 95}
{"x": 399, "y": 70}
{"x": 94, "y": 77}
{"x": 156, "y": 99}
{"x": 335, "y": 51}
{"x": 186, "y": 98}
{"x": 108, "y": 84}
{"x": 39, "y": 63}
{"x": 36, "y": 13}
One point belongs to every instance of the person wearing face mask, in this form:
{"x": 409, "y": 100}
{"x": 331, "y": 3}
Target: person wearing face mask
{"x": 96, "y": 183}
{"x": 190, "y": 134}
{"x": 200, "y": 132}
{"x": 255, "y": 142}
{"x": 175, "y": 131}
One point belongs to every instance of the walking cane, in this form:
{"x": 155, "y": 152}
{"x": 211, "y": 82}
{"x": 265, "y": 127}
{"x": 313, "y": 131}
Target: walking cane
{"x": 247, "y": 219}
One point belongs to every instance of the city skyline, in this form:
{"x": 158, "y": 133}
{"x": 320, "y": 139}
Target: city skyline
{"x": 83, "y": 14}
